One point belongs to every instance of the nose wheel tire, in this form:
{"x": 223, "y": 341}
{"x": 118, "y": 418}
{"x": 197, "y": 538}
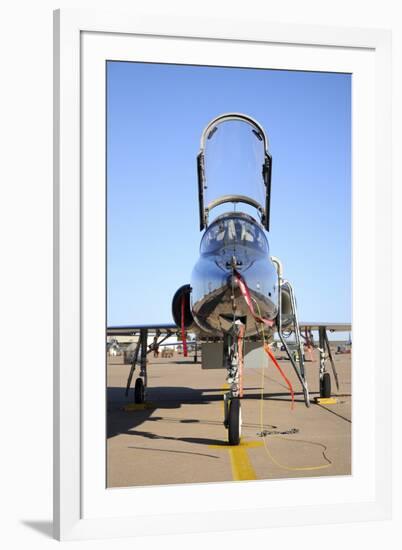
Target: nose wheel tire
{"x": 139, "y": 391}
{"x": 234, "y": 421}
{"x": 325, "y": 385}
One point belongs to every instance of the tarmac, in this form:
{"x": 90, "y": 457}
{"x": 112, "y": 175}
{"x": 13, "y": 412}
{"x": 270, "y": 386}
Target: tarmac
{"x": 178, "y": 435}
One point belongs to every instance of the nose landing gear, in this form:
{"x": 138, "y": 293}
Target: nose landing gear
{"x": 233, "y": 361}
{"x": 233, "y": 420}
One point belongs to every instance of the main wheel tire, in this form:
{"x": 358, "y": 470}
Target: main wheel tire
{"x": 234, "y": 421}
{"x": 325, "y": 385}
{"x": 139, "y": 391}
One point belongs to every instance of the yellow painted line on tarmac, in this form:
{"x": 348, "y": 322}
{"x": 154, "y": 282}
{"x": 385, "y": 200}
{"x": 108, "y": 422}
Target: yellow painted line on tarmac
{"x": 242, "y": 469}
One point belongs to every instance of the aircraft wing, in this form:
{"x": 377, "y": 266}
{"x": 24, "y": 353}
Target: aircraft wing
{"x": 332, "y": 327}
{"x": 128, "y": 330}
{"x": 166, "y": 328}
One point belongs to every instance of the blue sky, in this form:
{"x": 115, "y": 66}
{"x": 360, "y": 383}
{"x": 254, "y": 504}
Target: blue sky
{"x": 155, "y": 116}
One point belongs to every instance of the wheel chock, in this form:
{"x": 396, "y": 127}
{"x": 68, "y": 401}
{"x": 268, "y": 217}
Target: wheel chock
{"x": 137, "y": 407}
{"x": 326, "y": 400}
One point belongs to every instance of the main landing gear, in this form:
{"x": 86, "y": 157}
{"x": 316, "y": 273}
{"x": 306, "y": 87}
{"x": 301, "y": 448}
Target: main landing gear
{"x": 325, "y": 385}
{"x": 140, "y": 387}
{"x": 139, "y": 391}
{"x": 325, "y": 378}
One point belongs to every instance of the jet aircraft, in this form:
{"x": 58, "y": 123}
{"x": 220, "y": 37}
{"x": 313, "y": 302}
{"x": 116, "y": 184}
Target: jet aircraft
{"x": 237, "y": 290}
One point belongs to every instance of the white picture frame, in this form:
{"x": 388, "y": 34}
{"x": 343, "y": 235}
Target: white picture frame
{"x": 83, "y": 507}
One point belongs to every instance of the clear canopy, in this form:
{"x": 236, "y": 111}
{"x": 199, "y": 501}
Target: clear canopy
{"x": 234, "y": 157}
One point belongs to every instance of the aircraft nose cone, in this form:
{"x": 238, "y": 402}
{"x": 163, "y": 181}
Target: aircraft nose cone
{"x": 233, "y": 281}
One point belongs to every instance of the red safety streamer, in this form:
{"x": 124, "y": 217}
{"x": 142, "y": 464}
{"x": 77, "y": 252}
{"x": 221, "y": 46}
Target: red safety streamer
{"x": 241, "y": 358}
{"x": 183, "y": 332}
{"x": 246, "y": 294}
{"x": 275, "y": 362}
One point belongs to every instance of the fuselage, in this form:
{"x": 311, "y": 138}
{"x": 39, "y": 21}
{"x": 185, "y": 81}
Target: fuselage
{"x": 234, "y": 242}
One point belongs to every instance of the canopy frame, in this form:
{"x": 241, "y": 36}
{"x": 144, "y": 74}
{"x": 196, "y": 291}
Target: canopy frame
{"x": 204, "y": 210}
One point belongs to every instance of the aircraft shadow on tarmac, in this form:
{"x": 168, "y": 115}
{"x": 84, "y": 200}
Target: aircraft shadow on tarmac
{"x": 159, "y": 398}
{"x": 199, "y": 440}
{"x": 182, "y": 362}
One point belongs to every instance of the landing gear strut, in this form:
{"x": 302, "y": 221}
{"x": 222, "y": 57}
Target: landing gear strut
{"x": 325, "y": 378}
{"x": 140, "y": 387}
{"x": 233, "y": 361}
{"x": 140, "y": 390}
